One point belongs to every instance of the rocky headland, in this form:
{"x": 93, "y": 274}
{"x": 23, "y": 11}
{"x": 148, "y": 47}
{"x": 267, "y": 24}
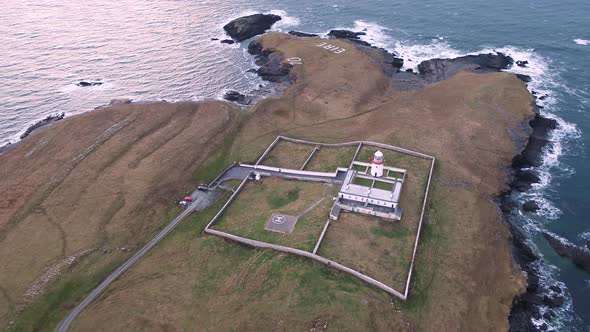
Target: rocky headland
{"x": 329, "y": 97}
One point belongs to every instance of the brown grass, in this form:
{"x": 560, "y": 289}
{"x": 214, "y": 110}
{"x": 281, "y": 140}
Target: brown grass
{"x": 288, "y": 155}
{"x": 327, "y": 159}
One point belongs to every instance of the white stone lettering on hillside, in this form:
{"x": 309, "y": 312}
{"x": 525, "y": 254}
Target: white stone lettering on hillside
{"x": 330, "y": 47}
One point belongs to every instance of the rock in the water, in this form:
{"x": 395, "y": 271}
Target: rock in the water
{"x": 350, "y": 35}
{"x": 553, "y": 301}
{"x": 524, "y": 179}
{"x": 345, "y": 34}
{"x": 214, "y": 39}
{"x": 555, "y": 288}
{"x": 85, "y": 83}
{"x": 579, "y": 256}
{"x": 249, "y": 26}
{"x": 227, "y": 41}
{"x": 409, "y": 70}
{"x": 252, "y": 70}
{"x": 120, "y": 101}
{"x": 588, "y": 244}
{"x": 435, "y": 70}
{"x": 531, "y": 206}
{"x": 49, "y": 119}
{"x": 532, "y": 153}
{"x": 522, "y": 63}
{"x": 302, "y": 34}
{"x": 237, "y": 97}
{"x": 524, "y": 78}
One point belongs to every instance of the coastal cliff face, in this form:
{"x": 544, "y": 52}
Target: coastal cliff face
{"x": 465, "y": 277}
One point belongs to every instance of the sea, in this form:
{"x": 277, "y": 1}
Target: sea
{"x": 162, "y": 50}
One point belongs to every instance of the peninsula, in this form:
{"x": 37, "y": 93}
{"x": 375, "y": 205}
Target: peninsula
{"x": 82, "y": 194}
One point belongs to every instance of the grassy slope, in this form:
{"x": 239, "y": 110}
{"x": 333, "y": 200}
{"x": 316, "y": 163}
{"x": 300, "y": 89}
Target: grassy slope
{"x": 464, "y": 276}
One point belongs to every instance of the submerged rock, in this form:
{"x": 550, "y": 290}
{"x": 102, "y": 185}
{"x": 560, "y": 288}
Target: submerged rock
{"x": 302, "y": 34}
{"x": 435, "y": 70}
{"x": 246, "y": 27}
{"x": 579, "y": 256}
{"x": 227, "y": 41}
{"x": 588, "y": 244}
{"x": 49, "y": 119}
{"x": 555, "y": 288}
{"x": 531, "y": 206}
{"x": 85, "y": 83}
{"x": 120, "y": 101}
{"x": 554, "y": 301}
{"x": 521, "y": 63}
{"x": 237, "y": 97}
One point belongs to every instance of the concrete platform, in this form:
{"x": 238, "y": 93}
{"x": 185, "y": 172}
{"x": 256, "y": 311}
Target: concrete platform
{"x": 281, "y": 223}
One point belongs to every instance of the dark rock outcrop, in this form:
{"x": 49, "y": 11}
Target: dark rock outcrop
{"x": 531, "y": 206}
{"x": 553, "y": 301}
{"x": 522, "y": 63}
{"x": 523, "y": 180}
{"x": 237, "y": 97}
{"x": 555, "y": 288}
{"x": 588, "y": 244}
{"x": 579, "y": 256}
{"x": 86, "y": 83}
{"x": 246, "y": 27}
{"x": 350, "y": 35}
{"x": 120, "y": 101}
{"x": 302, "y": 34}
{"x": 435, "y": 70}
{"x": 524, "y": 78}
{"x": 272, "y": 68}
{"x": 49, "y": 119}
{"x": 532, "y": 154}
{"x": 213, "y": 39}
{"x": 227, "y": 41}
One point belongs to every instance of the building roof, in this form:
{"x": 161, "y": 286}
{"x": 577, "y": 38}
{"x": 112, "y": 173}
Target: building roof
{"x": 371, "y": 192}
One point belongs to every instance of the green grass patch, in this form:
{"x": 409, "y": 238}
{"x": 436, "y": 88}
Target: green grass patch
{"x": 276, "y": 200}
{"x": 398, "y": 233}
{"x": 360, "y": 168}
{"x": 362, "y": 182}
{"x": 51, "y": 308}
{"x": 383, "y": 185}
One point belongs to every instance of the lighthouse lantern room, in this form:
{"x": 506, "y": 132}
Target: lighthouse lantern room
{"x": 377, "y": 164}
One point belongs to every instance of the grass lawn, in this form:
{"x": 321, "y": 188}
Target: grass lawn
{"x": 379, "y": 248}
{"x": 249, "y": 212}
{"x": 288, "y": 155}
{"x": 328, "y": 159}
{"x": 383, "y": 185}
{"x": 362, "y": 182}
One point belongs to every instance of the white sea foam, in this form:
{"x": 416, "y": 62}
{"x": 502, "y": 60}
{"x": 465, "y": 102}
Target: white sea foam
{"x": 582, "y": 41}
{"x": 413, "y": 53}
{"x": 286, "y": 20}
{"x": 585, "y": 236}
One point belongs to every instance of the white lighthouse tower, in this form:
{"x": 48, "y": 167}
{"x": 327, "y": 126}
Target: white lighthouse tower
{"x": 377, "y": 164}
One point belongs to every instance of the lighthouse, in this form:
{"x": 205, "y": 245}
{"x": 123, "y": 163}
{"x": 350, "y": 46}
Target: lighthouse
{"x": 377, "y": 164}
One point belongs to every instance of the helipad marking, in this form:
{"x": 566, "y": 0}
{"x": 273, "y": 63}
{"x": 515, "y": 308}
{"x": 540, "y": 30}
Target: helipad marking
{"x": 295, "y": 60}
{"x": 279, "y": 220}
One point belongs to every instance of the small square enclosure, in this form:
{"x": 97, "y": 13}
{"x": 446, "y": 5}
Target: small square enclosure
{"x": 281, "y": 223}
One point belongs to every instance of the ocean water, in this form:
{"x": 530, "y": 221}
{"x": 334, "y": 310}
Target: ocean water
{"x": 161, "y": 49}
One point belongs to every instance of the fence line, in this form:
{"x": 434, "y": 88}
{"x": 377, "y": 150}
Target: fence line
{"x": 317, "y": 246}
{"x": 380, "y": 145}
{"x": 221, "y": 174}
{"x": 356, "y": 153}
{"x": 231, "y": 198}
{"x": 270, "y": 147}
{"x": 309, "y": 158}
{"x": 406, "y": 291}
{"x": 320, "y": 259}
